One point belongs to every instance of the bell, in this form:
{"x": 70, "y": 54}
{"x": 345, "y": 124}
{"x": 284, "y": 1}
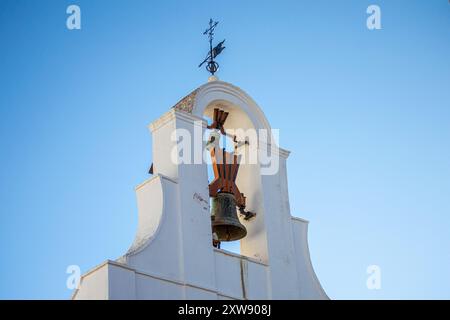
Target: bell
{"x": 225, "y": 222}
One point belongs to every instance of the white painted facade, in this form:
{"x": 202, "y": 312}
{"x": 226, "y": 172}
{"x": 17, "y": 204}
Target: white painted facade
{"x": 172, "y": 256}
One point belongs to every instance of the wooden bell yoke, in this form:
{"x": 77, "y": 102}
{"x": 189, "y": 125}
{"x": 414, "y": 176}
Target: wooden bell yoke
{"x": 225, "y": 166}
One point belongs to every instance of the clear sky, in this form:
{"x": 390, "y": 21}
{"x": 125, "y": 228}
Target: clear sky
{"x": 365, "y": 113}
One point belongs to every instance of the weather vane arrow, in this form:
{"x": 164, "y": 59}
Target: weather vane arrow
{"x": 211, "y": 65}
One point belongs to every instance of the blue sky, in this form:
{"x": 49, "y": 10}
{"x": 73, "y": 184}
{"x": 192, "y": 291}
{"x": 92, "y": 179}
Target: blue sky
{"x": 365, "y": 113}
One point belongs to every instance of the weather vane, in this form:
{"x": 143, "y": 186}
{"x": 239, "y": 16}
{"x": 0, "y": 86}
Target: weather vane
{"x": 211, "y": 65}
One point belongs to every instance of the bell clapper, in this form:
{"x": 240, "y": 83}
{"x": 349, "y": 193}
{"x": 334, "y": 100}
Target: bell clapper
{"x": 215, "y": 241}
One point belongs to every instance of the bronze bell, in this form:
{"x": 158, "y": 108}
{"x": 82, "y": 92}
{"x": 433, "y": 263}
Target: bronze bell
{"x": 225, "y": 222}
